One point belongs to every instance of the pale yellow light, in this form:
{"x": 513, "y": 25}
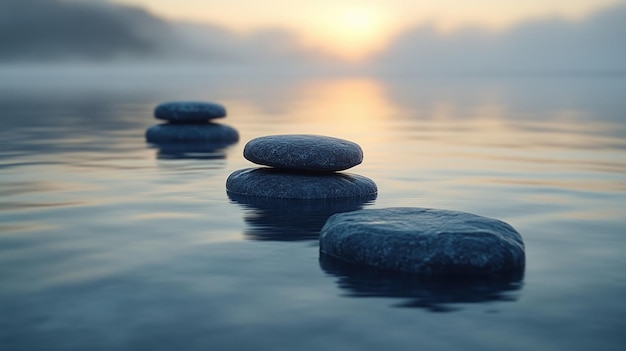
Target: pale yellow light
{"x": 357, "y": 106}
{"x": 358, "y": 22}
{"x": 351, "y": 33}
{"x": 353, "y": 29}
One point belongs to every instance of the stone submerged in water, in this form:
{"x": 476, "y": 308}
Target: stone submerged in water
{"x": 280, "y": 183}
{"x": 189, "y": 111}
{"x": 304, "y": 152}
{"x": 191, "y": 133}
{"x": 424, "y": 241}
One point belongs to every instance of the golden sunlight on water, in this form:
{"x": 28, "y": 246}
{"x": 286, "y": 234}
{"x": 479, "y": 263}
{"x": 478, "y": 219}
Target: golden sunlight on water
{"x": 351, "y": 107}
{"x": 479, "y": 140}
{"x": 447, "y": 138}
{"x": 356, "y": 109}
{"x": 102, "y": 234}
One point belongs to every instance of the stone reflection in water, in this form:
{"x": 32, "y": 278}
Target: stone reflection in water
{"x": 435, "y": 294}
{"x": 292, "y": 219}
{"x": 197, "y": 151}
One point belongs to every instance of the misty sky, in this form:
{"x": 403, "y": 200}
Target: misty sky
{"x": 362, "y": 26}
{"x": 391, "y": 35}
{"x": 246, "y": 14}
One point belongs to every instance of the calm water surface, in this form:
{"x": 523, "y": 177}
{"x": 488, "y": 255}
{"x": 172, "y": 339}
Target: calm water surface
{"x": 108, "y": 243}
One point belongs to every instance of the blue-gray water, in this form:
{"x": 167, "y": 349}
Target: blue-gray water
{"x": 108, "y": 243}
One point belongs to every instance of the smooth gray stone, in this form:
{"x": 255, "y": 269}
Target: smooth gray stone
{"x": 285, "y": 184}
{"x": 189, "y": 111}
{"x": 304, "y": 152}
{"x": 191, "y": 133}
{"x": 424, "y": 241}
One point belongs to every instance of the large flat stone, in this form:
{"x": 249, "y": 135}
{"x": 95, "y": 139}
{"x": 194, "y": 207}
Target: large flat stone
{"x": 189, "y": 111}
{"x": 304, "y": 152}
{"x": 280, "y": 183}
{"x": 424, "y": 241}
{"x": 191, "y": 133}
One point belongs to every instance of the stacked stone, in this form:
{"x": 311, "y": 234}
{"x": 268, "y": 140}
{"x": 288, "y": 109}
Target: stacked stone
{"x": 190, "y": 122}
{"x": 301, "y": 167}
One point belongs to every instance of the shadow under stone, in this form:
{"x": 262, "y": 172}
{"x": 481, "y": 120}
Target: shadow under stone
{"x": 434, "y": 294}
{"x": 279, "y": 219}
{"x": 200, "y": 141}
{"x": 196, "y": 151}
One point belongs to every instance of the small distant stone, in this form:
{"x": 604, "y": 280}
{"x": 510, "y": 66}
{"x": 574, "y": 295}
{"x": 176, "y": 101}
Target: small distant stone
{"x": 304, "y": 152}
{"x": 280, "y": 183}
{"x": 424, "y": 241}
{"x": 189, "y": 112}
{"x": 191, "y": 133}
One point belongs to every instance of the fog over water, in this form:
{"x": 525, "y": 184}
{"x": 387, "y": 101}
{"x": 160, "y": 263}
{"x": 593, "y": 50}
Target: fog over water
{"x": 43, "y": 31}
{"x": 108, "y": 242}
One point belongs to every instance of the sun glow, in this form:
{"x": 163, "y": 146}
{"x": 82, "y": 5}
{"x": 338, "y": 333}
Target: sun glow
{"x": 352, "y": 33}
{"x": 352, "y": 29}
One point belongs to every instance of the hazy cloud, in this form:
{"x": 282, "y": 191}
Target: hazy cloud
{"x": 594, "y": 43}
{"x": 49, "y": 30}
{"x": 57, "y": 30}
{"x": 216, "y": 44}
{"x": 60, "y": 30}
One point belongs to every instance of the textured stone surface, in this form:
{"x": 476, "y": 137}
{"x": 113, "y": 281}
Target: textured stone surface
{"x": 304, "y": 152}
{"x": 189, "y": 111}
{"x": 424, "y": 241}
{"x": 191, "y": 133}
{"x": 280, "y": 183}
